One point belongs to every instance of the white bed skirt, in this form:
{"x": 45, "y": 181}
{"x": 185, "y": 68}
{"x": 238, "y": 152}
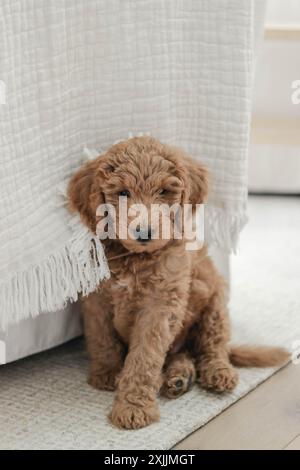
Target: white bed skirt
{"x": 34, "y": 335}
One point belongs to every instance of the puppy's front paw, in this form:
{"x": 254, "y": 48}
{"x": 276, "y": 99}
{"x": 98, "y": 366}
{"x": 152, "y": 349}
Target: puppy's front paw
{"x": 128, "y": 416}
{"x": 218, "y": 376}
{"x": 103, "y": 381}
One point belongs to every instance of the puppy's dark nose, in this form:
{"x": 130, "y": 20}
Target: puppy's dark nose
{"x": 144, "y": 236}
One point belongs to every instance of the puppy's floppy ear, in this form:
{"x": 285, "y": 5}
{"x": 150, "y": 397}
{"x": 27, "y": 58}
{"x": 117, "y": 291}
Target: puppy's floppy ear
{"x": 84, "y": 190}
{"x": 198, "y": 179}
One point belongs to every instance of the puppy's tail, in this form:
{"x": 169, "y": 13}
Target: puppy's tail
{"x": 258, "y": 356}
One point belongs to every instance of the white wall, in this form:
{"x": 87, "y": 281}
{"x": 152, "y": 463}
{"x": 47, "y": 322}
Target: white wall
{"x": 283, "y": 12}
{"x": 274, "y": 163}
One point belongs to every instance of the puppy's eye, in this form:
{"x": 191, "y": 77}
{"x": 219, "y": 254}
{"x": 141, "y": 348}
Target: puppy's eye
{"x": 124, "y": 193}
{"x": 163, "y": 191}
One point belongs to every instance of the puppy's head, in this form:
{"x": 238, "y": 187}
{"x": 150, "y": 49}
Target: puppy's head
{"x": 144, "y": 178}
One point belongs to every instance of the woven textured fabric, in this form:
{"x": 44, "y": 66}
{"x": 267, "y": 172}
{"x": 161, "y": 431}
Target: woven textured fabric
{"x": 46, "y": 403}
{"x": 87, "y": 73}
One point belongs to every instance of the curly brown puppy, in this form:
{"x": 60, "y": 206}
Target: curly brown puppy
{"x": 160, "y": 322}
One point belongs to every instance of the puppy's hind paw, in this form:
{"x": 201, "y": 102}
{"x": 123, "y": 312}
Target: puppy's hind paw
{"x": 176, "y": 386}
{"x": 218, "y": 376}
{"x": 179, "y": 376}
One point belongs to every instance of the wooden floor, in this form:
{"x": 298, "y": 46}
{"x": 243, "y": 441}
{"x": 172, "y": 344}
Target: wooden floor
{"x": 267, "y": 418}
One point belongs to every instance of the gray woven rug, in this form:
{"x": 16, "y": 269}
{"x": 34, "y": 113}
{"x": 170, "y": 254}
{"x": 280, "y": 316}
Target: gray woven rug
{"x": 46, "y": 403}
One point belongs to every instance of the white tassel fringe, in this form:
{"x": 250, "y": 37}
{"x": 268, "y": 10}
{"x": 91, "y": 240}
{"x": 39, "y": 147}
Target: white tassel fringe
{"x": 222, "y": 228}
{"x": 77, "y": 268}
